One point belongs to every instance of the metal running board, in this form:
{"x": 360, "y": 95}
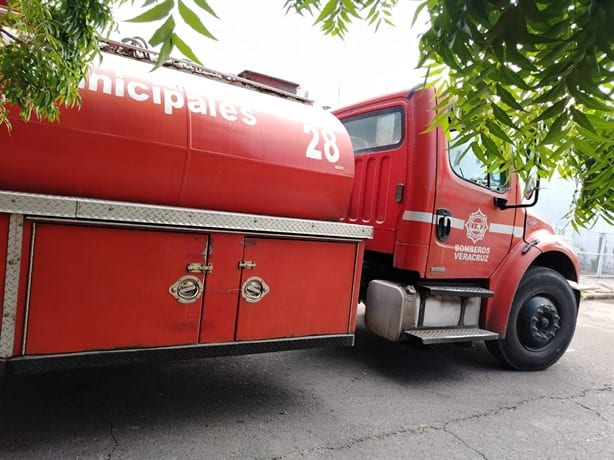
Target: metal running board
{"x": 461, "y": 291}
{"x": 449, "y": 335}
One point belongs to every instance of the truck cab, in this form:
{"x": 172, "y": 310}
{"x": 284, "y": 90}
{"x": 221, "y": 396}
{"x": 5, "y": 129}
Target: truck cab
{"x": 454, "y": 245}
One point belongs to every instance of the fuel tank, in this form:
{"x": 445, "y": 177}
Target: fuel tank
{"x": 175, "y": 138}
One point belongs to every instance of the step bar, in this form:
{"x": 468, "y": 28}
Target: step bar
{"x": 450, "y": 335}
{"x": 460, "y": 291}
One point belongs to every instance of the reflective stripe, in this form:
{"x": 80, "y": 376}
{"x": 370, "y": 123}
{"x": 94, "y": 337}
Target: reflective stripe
{"x": 430, "y": 218}
{"x": 419, "y": 216}
{"x": 506, "y": 229}
{"x": 501, "y": 228}
{"x": 459, "y": 224}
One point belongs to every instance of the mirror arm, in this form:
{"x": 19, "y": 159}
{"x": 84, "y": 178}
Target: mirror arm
{"x": 501, "y": 203}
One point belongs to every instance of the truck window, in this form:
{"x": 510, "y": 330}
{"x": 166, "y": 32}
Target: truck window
{"x": 467, "y": 165}
{"x": 375, "y": 131}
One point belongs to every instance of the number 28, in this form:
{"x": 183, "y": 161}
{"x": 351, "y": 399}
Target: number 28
{"x": 329, "y": 147}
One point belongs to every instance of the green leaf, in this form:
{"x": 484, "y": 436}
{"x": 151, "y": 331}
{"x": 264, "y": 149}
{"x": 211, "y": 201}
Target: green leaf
{"x": 185, "y": 49}
{"x": 165, "y": 53}
{"x": 491, "y": 146}
{"x": 327, "y": 11}
{"x": 163, "y": 33}
{"x": 497, "y": 131}
{"x": 419, "y": 9}
{"x": 552, "y": 111}
{"x": 503, "y": 117}
{"x": 582, "y": 120}
{"x": 590, "y": 102}
{"x": 556, "y": 130}
{"x": 508, "y": 98}
{"x": 583, "y": 147}
{"x": 193, "y": 20}
{"x": 349, "y": 6}
{"x": 205, "y": 6}
{"x": 156, "y": 13}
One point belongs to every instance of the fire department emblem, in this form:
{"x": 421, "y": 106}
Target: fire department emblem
{"x": 476, "y": 226}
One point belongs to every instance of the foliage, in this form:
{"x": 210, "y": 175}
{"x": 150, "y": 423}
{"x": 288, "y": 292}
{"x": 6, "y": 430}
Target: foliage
{"x": 530, "y": 81}
{"x": 334, "y": 16}
{"x": 45, "y": 49}
{"x": 170, "y": 11}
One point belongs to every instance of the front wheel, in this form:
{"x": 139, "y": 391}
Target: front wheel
{"x": 541, "y": 324}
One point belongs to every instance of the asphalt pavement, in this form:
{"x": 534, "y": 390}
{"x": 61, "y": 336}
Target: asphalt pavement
{"x": 375, "y": 400}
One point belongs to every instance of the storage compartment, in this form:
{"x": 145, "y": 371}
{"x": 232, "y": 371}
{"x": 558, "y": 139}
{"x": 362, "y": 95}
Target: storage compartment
{"x": 98, "y": 288}
{"x": 287, "y": 290}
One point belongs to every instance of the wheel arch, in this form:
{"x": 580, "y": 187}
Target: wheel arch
{"x": 543, "y": 249}
{"x": 562, "y": 263}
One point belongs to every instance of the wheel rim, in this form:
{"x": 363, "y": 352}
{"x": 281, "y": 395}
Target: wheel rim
{"x": 538, "y": 323}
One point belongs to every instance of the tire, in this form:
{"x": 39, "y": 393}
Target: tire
{"x": 541, "y": 324}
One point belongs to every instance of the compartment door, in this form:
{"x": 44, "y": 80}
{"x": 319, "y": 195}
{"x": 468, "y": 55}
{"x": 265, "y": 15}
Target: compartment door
{"x": 295, "y": 288}
{"x": 95, "y": 288}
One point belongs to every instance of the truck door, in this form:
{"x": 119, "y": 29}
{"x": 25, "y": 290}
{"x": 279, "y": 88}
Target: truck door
{"x": 470, "y": 235}
{"x": 380, "y": 158}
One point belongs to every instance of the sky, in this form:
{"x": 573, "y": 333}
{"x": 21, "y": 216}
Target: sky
{"x": 260, "y": 36}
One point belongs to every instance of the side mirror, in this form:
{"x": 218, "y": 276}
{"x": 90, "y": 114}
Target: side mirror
{"x": 530, "y": 187}
{"x": 531, "y": 192}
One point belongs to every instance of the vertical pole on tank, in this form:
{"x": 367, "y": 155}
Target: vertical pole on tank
{"x": 11, "y": 285}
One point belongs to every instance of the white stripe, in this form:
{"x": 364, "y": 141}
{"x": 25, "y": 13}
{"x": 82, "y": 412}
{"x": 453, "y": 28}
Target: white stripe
{"x": 419, "y": 216}
{"x": 430, "y": 218}
{"x": 506, "y": 229}
{"x": 459, "y": 224}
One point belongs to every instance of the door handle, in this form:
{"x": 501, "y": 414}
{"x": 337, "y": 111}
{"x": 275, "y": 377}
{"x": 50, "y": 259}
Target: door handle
{"x": 444, "y": 224}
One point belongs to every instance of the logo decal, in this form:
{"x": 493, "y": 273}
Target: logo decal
{"x": 476, "y": 226}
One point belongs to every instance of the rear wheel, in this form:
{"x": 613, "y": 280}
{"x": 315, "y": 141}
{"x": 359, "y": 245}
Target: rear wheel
{"x": 541, "y": 324}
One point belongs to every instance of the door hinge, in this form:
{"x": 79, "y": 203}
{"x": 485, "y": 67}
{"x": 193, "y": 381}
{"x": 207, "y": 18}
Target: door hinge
{"x": 196, "y": 267}
{"x": 247, "y": 264}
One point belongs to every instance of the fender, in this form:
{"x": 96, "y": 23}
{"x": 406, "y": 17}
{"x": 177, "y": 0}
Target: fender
{"x": 549, "y": 251}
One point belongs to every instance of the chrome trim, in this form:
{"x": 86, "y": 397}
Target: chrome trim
{"x": 11, "y": 285}
{"x": 29, "y": 290}
{"x": 117, "y": 211}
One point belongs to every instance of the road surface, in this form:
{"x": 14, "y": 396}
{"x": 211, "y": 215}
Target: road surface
{"x": 376, "y": 400}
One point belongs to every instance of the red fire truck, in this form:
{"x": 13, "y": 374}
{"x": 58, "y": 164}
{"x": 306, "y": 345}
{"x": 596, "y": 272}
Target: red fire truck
{"x": 187, "y": 213}
{"x": 455, "y": 255}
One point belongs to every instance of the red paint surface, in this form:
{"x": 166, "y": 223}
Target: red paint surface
{"x": 205, "y": 144}
{"x": 360, "y": 250}
{"x": 377, "y": 175}
{"x": 222, "y": 288}
{"x": 412, "y": 164}
{"x": 101, "y": 288}
{"x": 310, "y": 284}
